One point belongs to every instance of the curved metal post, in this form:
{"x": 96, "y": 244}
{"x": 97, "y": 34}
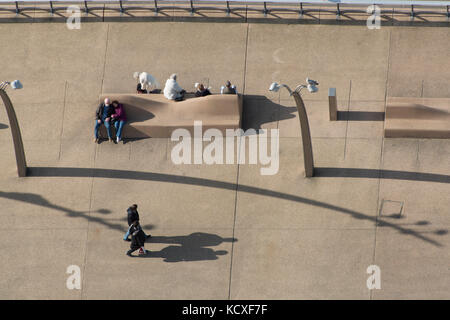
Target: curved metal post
{"x": 306, "y": 135}
{"x": 17, "y": 137}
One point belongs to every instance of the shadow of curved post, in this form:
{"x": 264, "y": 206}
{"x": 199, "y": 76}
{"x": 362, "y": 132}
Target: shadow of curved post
{"x": 306, "y": 135}
{"x": 17, "y": 137}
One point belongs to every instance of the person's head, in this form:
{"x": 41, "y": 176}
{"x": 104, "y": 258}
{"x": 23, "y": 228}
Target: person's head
{"x": 107, "y": 101}
{"x": 115, "y": 103}
{"x": 134, "y": 206}
{"x": 173, "y": 76}
{"x": 201, "y": 87}
{"x": 228, "y": 84}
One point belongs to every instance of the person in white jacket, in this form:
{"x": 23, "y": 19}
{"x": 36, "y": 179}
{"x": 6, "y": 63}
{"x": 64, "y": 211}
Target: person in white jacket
{"x": 172, "y": 90}
{"x": 146, "y": 82}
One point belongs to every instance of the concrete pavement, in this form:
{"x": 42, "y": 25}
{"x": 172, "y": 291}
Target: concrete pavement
{"x": 225, "y": 231}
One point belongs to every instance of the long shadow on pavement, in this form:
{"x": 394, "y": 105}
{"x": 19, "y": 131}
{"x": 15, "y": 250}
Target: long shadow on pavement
{"x": 379, "y": 174}
{"x": 193, "y": 247}
{"x": 151, "y": 176}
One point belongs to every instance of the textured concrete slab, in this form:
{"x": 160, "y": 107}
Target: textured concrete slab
{"x": 406, "y": 80}
{"x": 318, "y": 118}
{"x": 296, "y": 237}
{"x": 365, "y": 119}
{"x": 43, "y": 276}
{"x": 299, "y": 263}
{"x": 202, "y": 273}
{"x": 123, "y": 61}
{"x": 415, "y": 268}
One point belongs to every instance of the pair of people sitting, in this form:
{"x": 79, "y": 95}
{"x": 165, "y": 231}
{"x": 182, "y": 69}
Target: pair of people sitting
{"x": 110, "y": 114}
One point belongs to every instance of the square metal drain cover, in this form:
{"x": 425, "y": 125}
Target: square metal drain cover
{"x": 391, "y": 208}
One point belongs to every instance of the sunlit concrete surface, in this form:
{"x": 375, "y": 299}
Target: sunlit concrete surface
{"x": 225, "y": 231}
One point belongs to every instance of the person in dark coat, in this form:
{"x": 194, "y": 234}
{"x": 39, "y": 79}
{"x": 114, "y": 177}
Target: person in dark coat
{"x": 202, "y": 91}
{"x": 137, "y": 239}
{"x": 132, "y": 216}
{"x": 103, "y": 116}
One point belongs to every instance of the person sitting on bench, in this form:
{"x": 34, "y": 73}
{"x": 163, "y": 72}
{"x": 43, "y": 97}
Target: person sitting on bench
{"x": 201, "y": 90}
{"x": 228, "y": 88}
{"x": 172, "y": 90}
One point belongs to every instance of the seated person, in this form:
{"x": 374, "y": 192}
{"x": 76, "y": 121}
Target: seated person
{"x": 146, "y": 82}
{"x": 201, "y": 90}
{"x": 228, "y": 88}
{"x": 119, "y": 119}
{"x": 139, "y": 89}
{"x": 103, "y": 116}
{"x": 172, "y": 90}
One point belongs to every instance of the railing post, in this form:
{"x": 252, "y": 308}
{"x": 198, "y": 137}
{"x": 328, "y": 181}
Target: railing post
{"x": 338, "y": 11}
{"x": 18, "y": 10}
{"x": 86, "y": 9}
{"x": 412, "y": 12}
{"x": 265, "y": 9}
{"x": 156, "y": 7}
{"x": 300, "y": 12}
{"x": 448, "y": 12}
{"x": 51, "y": 8}
{"x": 228, "y": 8}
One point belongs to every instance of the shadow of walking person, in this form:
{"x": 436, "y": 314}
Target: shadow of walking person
{"x": 182, "y": 253}
{"x": 188, "y": 248}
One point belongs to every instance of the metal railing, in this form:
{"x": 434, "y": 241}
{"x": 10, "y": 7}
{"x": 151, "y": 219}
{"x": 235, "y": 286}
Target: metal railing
{"x": 339, "y": 7}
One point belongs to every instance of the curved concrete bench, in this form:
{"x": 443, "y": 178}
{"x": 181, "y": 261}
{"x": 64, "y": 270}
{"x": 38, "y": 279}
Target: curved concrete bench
{"x": 152, "y": 115}
{"x": 417, "y": 118}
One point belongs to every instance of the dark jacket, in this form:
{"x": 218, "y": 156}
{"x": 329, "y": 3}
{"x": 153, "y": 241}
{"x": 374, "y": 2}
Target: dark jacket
{"x": 137, "y": 237}
{"x": 133, "y": 215}
{"x": 203, "y": 93}
{"x": 139, "y": 89}
{"x": 99, "y": 111}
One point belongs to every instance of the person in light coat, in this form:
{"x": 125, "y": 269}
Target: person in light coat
{"x": 172, "y": 90}
{"x": 146, "y": 82}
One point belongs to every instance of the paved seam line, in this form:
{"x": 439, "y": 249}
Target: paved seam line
{"x": 381, "y": 160}
{"x": 234, "y": 225}
{"x": 62, "y": 125}
{"x": 83, "y": 274}
{"x": 346, "y": 122}
{"x": 104, "y": 58}
{"x": 237, "y": 176}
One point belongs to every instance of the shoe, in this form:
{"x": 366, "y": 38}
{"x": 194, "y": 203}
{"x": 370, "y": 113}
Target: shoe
{"x": 148, "y": 236}
{"x": 111, "y": 140}
{"x": 96, "y": 140}
{"x": 142, "y": 251}
{"x": 117, "y": 140}
{"x": 129, "y": 254}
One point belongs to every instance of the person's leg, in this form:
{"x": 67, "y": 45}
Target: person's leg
{"x": 133, "y": 248}
{"x": 97, "y": 125}
{"x": 125, "y": 237}
{"x": 108, "y": 128}
{"x": 119, "y": 128}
